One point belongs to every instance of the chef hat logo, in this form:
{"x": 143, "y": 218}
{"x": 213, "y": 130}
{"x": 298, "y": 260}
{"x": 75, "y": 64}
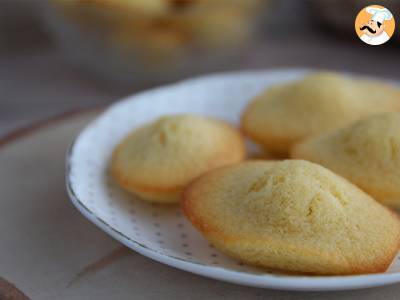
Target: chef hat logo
{"x": 375, "y": 25}
{"x": 379, "y": 14}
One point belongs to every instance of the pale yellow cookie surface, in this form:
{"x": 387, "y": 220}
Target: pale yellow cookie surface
{"x": 286, "y": 114}
{"x": 366, "y": 152}
{"x": 157, "y": 160}
{"x": 294, "y": 216}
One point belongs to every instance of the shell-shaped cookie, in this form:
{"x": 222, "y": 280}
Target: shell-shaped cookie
{"x": 366, "y": 152}
{"x": 157, "y": 160}
{"x": 294, "y": 216}
{"x": 289, "y": 113}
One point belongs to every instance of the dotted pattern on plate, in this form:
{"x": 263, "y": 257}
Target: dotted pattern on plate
{"x": 160, "y": 228}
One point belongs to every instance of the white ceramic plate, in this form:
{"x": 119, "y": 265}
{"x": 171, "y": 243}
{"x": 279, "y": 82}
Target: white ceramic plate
{"x": 161, "y": 232}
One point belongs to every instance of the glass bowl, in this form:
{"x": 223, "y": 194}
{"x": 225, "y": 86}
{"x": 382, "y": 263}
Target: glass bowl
{"x": 147, "y": 42}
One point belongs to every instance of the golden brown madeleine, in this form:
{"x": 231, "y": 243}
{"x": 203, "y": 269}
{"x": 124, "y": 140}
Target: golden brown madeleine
{"x": 366, "y": 152}
{"x": 157, "y": 160}
{"x": 288, "y": 113}
{"x": 292, "y": 215}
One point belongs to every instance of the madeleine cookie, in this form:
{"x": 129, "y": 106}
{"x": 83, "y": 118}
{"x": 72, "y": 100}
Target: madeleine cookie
{"x": 366, "y": 152}
{"x": 294, "y": 216}
{"x": 286, "y": 114}
{"x": 157, "y": 160}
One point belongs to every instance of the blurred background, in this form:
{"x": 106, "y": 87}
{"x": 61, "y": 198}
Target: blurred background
{"x": 61, "y": 55}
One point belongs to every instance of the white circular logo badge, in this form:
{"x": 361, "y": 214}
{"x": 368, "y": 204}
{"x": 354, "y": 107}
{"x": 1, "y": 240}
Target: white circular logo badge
{"x": 375, "y": 25}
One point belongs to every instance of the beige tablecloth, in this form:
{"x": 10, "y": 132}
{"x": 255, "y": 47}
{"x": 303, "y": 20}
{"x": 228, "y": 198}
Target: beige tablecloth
{"x": 49, "y": 251}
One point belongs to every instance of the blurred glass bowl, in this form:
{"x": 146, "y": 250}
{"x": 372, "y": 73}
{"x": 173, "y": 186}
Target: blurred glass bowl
{"x": 146, "y": 42}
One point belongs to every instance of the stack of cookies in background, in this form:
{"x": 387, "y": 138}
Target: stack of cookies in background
{"x": 153, "y": 41}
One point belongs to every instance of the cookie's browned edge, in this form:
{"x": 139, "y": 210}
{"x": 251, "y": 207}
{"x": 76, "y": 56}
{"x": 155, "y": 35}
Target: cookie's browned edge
{"x": 26, "y": 130}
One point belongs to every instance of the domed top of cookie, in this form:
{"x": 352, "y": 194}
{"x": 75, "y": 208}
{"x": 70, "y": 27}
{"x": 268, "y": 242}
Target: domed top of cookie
{"x": 288, "y": 113}
{"x": 160, "y": 158}
{"x": 293, "y": 215}
{"x": 366, "y": 152}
